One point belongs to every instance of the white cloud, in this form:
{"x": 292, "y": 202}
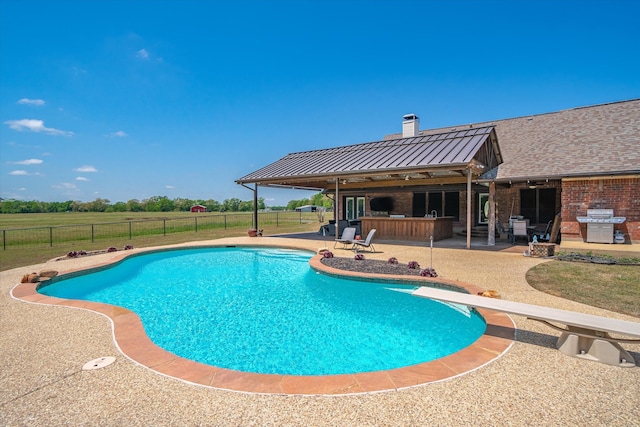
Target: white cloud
{"x": 170, "y": 187}
{"x": 35, "y": 126}
{"x": 28, "y": 162}
{"x": 142, "y": 53}
{"x": 66, "y": 188}
{"x": 86, "y": 168}
{"x": 119, "y": 134}
{"x": 19, "y": 173}
{"x": 36, "y": 102}
{"x": 81, "y": 178}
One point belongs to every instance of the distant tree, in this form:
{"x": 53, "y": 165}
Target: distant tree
{"x": 231, "y": 205}
{"x": 134, "y": 205}
{"x": 76, "y": 206}
{"x": 321, "y": 200}
{"x": 118, "y": 207}
{"x": 293, "y": 204}
{"x": 98, "y": 205}
{"x": 183, "y": 205}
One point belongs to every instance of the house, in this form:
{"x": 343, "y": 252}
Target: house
{"x": 538, "y": 167}
{"x": 198, "y": 208}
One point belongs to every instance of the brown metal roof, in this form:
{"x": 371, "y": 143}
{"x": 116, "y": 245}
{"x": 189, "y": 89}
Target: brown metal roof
{"x": 452, "y": 150}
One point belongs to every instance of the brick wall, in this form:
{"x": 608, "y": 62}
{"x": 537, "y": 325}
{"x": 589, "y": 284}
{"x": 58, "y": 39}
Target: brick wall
{"x": 622, "y": 195}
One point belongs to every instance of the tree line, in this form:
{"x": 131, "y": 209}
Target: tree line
{"x": 152, "y": 204}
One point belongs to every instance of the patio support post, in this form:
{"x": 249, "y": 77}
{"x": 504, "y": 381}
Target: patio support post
{"x": 491, "y": 237}
{"x": 469, "y": 208}
{"x": 255, "y": 206}
{"x": 336, "y": 208}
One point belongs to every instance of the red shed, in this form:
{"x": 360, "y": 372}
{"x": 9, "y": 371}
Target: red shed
{"x": 198, "y": 208}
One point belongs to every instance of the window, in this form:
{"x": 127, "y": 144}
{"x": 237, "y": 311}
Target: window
{"x": 419, "y": 205}
{"x": 538, "y": 205}
{"x": 445, "y": 203}
{"x": 435, "y": 203}
{"x": 452, "y": 204}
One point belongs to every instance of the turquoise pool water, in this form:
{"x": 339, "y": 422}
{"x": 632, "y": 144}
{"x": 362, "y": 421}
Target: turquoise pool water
{"x": 264, "y": 310}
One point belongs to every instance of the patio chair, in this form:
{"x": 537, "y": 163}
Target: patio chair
{"x": 519, "y": 229}
{"x": 357, "y": 244}
{"x": 347, "y": 238}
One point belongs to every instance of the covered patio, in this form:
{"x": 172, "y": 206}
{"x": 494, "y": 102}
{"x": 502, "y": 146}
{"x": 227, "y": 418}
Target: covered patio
{"x": 410, "y": 164}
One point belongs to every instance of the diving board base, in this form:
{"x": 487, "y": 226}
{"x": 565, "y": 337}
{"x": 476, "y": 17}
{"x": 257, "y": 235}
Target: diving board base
{"x": 592, "y": 348}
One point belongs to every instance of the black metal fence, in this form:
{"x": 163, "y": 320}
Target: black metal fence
{"x": 129, "y": 230}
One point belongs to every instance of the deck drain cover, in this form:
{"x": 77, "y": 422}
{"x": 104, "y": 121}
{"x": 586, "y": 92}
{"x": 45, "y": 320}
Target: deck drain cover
{"x": 98, "y": 363}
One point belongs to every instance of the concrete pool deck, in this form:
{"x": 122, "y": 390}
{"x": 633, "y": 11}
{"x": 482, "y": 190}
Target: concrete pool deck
{"x": 45, "y": 347}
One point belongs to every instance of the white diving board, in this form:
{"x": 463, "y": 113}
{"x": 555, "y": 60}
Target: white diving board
{"x": 586, "y": 336}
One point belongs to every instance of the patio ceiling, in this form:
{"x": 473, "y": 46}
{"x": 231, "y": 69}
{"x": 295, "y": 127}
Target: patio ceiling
{"x": 435, "y": 158}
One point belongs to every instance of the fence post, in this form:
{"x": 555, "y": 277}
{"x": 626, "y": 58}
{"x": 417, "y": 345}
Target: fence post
{"x": 50, "y": 237}
{"x": 129, "y": 230}
{"x": 164, "y": 226}
{"x": 196, "y": 220}
{"x": 277, "y": 219}
{"x": 4, "y": 240}
{"x": 92, "y": 234}
{"x": 300, "y": 216}
{"x": 225, "y": 221}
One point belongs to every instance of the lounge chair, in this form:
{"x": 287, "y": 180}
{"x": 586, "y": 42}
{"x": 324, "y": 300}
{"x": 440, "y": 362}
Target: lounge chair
{"x": 348, "y": 236}
{"x": 357, "y": 244}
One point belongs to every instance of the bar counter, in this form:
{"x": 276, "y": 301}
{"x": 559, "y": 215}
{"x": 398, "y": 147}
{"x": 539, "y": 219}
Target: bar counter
{"x": 419, "y": 229}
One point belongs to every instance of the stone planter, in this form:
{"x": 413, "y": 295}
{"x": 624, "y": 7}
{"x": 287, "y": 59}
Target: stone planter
{"x": 252, "y": 232}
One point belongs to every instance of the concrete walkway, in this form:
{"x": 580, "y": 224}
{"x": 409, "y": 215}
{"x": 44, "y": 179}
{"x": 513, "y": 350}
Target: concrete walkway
{"x": 43, "y": 349}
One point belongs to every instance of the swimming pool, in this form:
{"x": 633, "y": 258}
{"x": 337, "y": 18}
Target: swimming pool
{"x": 264, "y": 310}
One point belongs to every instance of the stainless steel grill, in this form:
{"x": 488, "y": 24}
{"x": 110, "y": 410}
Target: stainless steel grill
{"x": 600, "y": 224}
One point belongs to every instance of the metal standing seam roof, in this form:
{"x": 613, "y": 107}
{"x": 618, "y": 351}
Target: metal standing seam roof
{"x": 452, "y": 149}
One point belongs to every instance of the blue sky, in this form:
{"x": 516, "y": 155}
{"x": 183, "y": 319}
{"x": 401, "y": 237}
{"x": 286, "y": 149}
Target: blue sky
{"x": 131, "y": 99}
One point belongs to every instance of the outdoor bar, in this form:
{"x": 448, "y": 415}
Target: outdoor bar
{"x": 403, "y": 228}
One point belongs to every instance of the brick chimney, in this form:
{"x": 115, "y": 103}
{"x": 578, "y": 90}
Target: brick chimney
{"x": 410, "y": 125}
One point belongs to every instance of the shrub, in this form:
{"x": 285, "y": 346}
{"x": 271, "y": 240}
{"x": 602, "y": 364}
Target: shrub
{"x": 72, "y": 254}
{"x": 128, "y": 247}
{"x": 112, "y": 249}
{"x": 358, "y": 256}
{"x": 82, "y": 252}
{"x": 327, "y": 254}
{"x": 413, "y": 265}
{"x": 428, "y": 272}
{"x": 392, "y": 260}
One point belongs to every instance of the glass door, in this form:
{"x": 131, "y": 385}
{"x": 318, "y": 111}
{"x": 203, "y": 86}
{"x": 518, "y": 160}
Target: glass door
{"x": 483, "y": 208}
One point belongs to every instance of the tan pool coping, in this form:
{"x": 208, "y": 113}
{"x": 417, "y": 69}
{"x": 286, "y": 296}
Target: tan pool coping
{"x": 133, "y": 342}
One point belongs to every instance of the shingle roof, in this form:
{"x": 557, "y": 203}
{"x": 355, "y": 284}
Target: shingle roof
{"x": 452, "y": 149}
{"x": 585, "y": 141}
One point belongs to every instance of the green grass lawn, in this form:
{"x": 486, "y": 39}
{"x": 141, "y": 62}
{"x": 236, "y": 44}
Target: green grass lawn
{"x": 72, "y": 231}
{"x": 612, "y": 287}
